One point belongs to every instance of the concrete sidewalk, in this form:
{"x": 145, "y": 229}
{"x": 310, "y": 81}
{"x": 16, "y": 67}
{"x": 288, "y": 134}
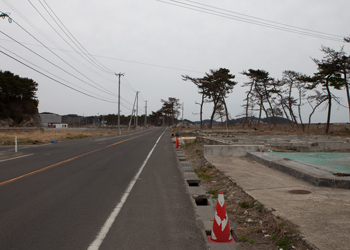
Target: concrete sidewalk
{"x": 323, "y": 216}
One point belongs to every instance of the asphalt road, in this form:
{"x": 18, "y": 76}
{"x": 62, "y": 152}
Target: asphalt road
{"x": 114, "y": 193}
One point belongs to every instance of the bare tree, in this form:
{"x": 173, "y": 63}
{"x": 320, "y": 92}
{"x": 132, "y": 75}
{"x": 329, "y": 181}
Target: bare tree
{"x": 171, "y": 109}
{"x": 329, "y": 77}
{"x": 262, "y": 90}
{"x": 289, "y": 80}
{"x": 249, "y": 100}
{"x": 220, "y": 83}
{"x": 203, "y": 90}
{"x": 315, "y": 101}
{"x": 343, "y": 62}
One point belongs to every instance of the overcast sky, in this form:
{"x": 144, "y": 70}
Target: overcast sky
{"x": 155, "y": 42}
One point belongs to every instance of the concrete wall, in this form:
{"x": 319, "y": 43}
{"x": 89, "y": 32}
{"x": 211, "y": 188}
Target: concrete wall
{"x": 47, "y": 118}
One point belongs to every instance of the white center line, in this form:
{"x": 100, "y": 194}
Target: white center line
{"x": 95, "y": 245}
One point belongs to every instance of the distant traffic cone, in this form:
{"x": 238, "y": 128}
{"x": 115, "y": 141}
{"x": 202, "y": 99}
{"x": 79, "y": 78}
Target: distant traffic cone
{"x": 177, "y": 142}
{"x": 172, "y": 133}
{"x": 221, "y": 229}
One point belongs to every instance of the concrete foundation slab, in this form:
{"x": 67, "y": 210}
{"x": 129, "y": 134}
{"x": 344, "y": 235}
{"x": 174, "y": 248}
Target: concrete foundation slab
{"x": 322, "y": 215}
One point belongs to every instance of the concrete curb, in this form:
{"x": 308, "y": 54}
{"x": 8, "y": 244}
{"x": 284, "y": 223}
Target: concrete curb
{"x": 203, "y": 203}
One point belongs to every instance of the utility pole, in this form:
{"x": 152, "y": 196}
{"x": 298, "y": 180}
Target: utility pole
{"x": 137, "y": 107}
{"x": 146, "y": 115}
{"x": 133, "y": 111}
{"x": 119, "y": 75}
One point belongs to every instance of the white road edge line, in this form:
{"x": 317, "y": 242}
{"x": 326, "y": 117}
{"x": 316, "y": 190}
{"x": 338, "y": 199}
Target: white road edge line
{"x": 16, "y": 158}
{"x": 95, "y": 245}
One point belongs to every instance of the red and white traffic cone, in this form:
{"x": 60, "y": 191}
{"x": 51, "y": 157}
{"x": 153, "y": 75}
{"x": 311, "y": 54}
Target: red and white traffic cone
{"x": 177, "y": 142}
{"x": 221, "y": 231}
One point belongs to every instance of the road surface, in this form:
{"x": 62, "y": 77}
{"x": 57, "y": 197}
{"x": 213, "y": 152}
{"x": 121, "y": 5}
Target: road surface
{"x": 122, "y": 192}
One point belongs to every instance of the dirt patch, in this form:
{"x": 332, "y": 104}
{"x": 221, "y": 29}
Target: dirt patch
{"x": 254, "y": 224}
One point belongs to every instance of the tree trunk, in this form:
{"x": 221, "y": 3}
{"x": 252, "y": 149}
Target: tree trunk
{"x": 212, "y": 117}
{"x": 201, "y": 112}
{"x": 286, "y": 114}
{"x": 329, "y": 105}
{"x": 260, "y": 111}
{"x": 226, "y": 113}
{"x": 272, "y": 110}
{"x": 290, "y": 107}
{"x": 247, "y": 105}
{"x": 313, "y": 111}
{"x": 299, "y": 112}
{"x": 267, "y": 115}
{"x": 347, "y": 90}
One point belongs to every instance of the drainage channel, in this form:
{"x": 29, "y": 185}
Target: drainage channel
{"x": 204, "y": 204}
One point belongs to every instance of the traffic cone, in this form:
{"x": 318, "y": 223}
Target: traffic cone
{"x": 172, "y": 133}
{"x": 221, "y": 232}
{"x": 177, "y": 142}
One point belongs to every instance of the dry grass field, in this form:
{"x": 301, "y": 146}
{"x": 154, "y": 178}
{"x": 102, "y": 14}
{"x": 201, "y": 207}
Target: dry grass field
{"x": 336, "y": 129}
{"x": 37, "y": 137}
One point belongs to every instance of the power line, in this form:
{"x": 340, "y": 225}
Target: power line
{"x": 92, "y": 62}
{"x": 33, "y": 26}
{"x": 48, "y": 71}
{"x": 87, "y": 53}
{"x": 128, "y": 84}
{"x": 54, "y": 64}
{"x": 81, "y": 92}
{"x": 150, "y": 64}
{"x": 265, "y": 20}
{"x": 43, "y": 45}
{"x": 106, "y": 91}
{"x": 58, "y": 32}
{"x": 245, "y": 20}
{"x": 118, "y": 59}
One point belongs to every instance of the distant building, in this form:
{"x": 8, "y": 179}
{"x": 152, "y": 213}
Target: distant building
{"x": 47, "y": 118}
{"x": 57, "y": 125}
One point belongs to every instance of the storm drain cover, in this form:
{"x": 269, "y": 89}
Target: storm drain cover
{"x": 299, "y": 191}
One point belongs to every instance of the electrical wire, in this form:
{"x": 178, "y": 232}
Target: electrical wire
{"x": 79, "y": 91}
{"x": 118, "y": 59}
{"x": 89, "y": 61}
{"x": 102, "y": 88}
{"x": 39, "y": 31}
{"x": 150, "y": 64}
{"x": 64, "y": 40}
{"x": 123, "y": 101}
{"x": 42, "y": 69}
{"x": 52, "y": 41}
{"x": 128, "y": 84}
{"x": 87, "y": 53}
{"x": 245, "y": 20}
{"x": 55, "y": 64}
{"x": 265, "y": 20}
